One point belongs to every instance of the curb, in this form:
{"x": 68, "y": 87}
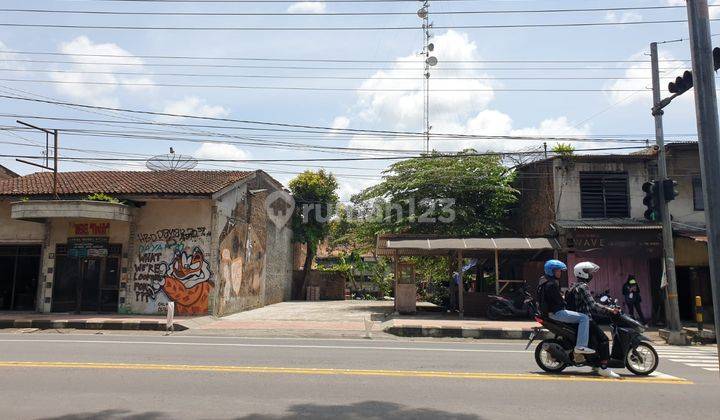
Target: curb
{"x": 454, "y": 332}
{"x": 46, "y": 324}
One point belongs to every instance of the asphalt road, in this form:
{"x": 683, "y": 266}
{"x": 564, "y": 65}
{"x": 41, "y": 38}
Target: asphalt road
{"x": 113, "y": 376}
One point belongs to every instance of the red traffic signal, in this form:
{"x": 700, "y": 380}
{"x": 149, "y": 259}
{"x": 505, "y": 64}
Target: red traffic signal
{"x": 682, "y": 84}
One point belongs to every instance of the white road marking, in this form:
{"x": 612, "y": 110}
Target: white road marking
{"x": 704, "y": 358}
{"x": 657, "y": 374}
{"x": 712, "y": 369}
{"x": 289, "y": 346}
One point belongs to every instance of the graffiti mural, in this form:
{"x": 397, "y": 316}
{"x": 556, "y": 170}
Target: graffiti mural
{"x": 171, "y": 265}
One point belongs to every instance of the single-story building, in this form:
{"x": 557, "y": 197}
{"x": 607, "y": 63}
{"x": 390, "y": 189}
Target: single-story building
{"x": 130, "y": 241}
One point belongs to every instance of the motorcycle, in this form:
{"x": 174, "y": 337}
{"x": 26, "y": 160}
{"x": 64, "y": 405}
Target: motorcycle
{"x": 606, "y": 299}
{"x": 502, "y": 307}
{"x": 630, "y": 349}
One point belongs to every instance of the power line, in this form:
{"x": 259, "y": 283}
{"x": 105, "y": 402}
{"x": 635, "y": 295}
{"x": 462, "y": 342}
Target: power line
{"x": 338, "y": 28}
{"x": 272, "y": 76}
{"x": 247, "y": 66}
{"x": 311, "y": 88}
{"x": 286, "y": 14}
{"x": 321, "y": 60}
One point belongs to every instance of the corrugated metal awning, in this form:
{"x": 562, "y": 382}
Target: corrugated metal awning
{"x": 474, "y": 244}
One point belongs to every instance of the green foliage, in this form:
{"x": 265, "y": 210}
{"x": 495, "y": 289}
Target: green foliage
{"x": 103, "y": 197}
{"x": 477, "y": 186}
{"x": 563, "y": 149}
{"x": 316, "y": 189}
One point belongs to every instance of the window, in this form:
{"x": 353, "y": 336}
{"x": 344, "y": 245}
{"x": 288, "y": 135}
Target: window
{"x": 698, "y": 199}
{"x": 604, "y": 194}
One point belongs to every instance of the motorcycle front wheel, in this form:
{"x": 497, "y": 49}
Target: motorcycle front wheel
{"x": 545, "y": 359}
{"x": 642, "y": 359}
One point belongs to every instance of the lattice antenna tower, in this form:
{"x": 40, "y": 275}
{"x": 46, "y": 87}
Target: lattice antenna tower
{"x": 430, "y": 61}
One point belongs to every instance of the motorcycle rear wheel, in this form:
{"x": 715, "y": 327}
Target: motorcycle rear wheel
{"x": 494, "y": 313}
{"x": 645, "y": 362}
{"x": 545, "y": 360}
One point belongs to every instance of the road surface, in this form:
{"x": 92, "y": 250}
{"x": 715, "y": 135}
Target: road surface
{"x": 150, "y": 376}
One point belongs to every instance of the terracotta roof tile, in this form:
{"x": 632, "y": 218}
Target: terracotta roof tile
{"x": 123, "y": 182}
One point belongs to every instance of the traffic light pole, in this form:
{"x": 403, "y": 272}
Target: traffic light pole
{"x": 672, "y": 310}
{"x": 709, "y": 138}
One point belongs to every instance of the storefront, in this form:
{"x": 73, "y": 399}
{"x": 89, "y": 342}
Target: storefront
{"x": 19, "y": 273}
{"x": 620, "y": 251}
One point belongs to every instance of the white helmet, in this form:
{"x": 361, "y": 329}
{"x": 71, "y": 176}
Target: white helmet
{"x": 584, "y": 270}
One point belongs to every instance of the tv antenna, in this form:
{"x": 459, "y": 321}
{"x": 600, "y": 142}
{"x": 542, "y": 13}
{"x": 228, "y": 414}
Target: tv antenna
{"x": 171, "y": 162}
{"x": 430, "y": 61}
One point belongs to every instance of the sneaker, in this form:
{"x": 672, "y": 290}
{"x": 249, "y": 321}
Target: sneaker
{"x": 584, "y": 350}
{"x": 608, "y": 373}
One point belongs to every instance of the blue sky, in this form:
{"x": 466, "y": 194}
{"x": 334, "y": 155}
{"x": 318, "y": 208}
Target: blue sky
{"x": 491, "y": 111}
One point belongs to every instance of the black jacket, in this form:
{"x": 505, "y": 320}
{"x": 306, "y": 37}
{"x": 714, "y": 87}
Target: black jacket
{"x": 551, "y": 299}
{"x": 626, "y": 292}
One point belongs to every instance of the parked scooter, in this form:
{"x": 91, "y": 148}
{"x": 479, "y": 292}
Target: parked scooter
{"x": 501, "y": 307}
{"x": 630, "y": 349}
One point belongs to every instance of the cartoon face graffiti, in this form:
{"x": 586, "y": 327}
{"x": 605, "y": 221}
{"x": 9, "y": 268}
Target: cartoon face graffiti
{"x": 187, "y": 282}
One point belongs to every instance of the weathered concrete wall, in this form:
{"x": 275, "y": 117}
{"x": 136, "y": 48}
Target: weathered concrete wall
{"x": 278, "y": 286}
{"x": 170, "y": 252}
{"x": 567, "y": 185}
{"x": 18, "y": 231}
{"x": 255, "y": 258}
{"x": 535, "y": 183}
{"x": 684, "y": 164}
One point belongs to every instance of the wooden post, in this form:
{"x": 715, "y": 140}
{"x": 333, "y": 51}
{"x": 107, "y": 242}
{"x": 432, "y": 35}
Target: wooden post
{"x": 497, "y": 272}
{"x": 461, "y": 288}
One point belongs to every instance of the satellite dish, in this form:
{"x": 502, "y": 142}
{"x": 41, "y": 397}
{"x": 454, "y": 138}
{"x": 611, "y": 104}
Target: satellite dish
{"x": 422, "y": 13}
{"x": 431, "y": 61}
{"x": 431, "y": 47}
{"x": 171, "y": 162}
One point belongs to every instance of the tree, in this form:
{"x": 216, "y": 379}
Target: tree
{"x": 563, "y": 149}
{"x": 457, "y": 195}
{"x": 315, "y": 202}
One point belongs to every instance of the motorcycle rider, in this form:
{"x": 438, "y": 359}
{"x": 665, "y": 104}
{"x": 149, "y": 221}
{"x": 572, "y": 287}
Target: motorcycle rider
{"x": 586, "y": 304}
{"x": 553, "y": 305}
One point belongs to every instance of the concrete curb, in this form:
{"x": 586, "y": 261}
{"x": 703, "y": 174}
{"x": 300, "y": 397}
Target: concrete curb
{"x": 454, "y": 332}
{"x": 46, "y": 324}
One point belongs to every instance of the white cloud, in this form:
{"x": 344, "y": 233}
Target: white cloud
{"x": 623, "y": 17}
{"x": 106, "y": 94}
{"x": 638, "y": 77}
{"x": 465, "y": 110}
{"x": 192, "y": 105}
{"x": 339, "y": 123}
{"x": 714, "y": 11}
{"x": 220, "y": 151}
{"x": 307, "y": 7}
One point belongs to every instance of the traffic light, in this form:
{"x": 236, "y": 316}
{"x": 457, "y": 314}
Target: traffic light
{"x": 685, "y": 83}
{"x": 670, "y": 189}
{"x": 681, "y": 84}
{"x": 651, "y": 201}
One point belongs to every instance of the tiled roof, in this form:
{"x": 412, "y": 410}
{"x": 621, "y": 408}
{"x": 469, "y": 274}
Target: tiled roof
{"x": 123, "y": 182}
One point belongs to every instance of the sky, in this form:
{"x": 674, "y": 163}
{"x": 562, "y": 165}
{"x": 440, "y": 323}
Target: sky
{"x": 472, "y": 91}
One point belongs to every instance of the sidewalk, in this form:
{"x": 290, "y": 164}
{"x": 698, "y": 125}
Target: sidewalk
{"x": 95, "y": 321}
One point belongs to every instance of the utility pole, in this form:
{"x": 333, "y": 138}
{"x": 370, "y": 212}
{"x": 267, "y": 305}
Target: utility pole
{"x": 672, "y": 315}
{"x": 709, "y": 138}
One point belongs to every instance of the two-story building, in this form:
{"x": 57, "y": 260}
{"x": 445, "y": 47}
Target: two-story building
{"x": 130, "y": 242}
{"x": 594, "y": 205}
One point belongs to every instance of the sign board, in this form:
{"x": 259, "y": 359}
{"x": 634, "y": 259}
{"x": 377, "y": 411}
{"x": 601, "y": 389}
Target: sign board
{"x": 87, "y": 247}
{"x": 89, "y": 229}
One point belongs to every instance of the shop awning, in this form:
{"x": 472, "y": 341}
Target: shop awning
{"x": 474, "y": 244}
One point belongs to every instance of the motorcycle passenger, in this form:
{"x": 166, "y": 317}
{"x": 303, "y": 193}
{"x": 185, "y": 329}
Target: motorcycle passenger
{"x": 553, "y": 305}
{"x": 586, "y": 304}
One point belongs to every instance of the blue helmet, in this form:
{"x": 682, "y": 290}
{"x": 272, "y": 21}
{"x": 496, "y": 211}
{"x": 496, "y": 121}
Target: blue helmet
{"x": 552, "y": 265}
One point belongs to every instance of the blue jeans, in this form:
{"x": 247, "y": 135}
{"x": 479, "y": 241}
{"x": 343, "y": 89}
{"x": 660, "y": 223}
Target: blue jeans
{"x": 571, "y": 317}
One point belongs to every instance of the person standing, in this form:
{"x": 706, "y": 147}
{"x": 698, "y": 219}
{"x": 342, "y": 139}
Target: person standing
{"x": 631, "y": 292}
